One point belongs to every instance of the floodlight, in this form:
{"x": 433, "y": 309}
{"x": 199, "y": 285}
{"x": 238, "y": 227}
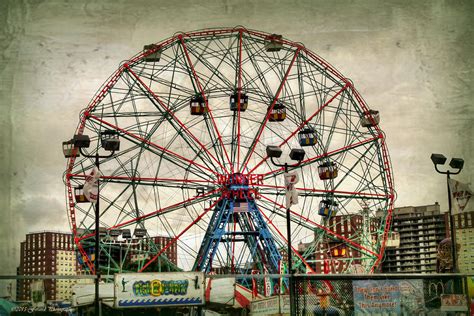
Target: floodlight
{"x": 274, "y": 151}
{"x": 140, "y": 232}
{"x": 297, "y": 154}
{"x": 456, "y": 163}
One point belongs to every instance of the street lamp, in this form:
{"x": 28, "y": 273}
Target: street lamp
{"x": 455, "y": 163}
{"x": 297, "y": 155}
{"x": 109, "y": 140}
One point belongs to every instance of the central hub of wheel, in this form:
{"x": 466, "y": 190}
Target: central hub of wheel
{"x": 239, "y": 186}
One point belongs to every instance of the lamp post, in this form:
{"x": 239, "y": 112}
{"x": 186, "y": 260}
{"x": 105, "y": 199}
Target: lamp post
{"x": 455, "y": 163}
{"x": 110, "y": 142}
{"x": 297, "y": 155}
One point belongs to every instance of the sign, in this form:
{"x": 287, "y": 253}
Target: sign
{"x": 453, "y": 303}
{"x": 460, "y": 193}
{"x": 398, "y": 297}
{"x": 159, "y": 289}
{"x": 274, "y": 305}
{"x": 291, "y": 178}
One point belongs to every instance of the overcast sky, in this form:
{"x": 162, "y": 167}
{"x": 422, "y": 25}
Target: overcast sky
{"x": 412, "y": 60}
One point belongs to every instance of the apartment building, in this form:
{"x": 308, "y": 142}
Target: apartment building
{"x": 421, "y": 229}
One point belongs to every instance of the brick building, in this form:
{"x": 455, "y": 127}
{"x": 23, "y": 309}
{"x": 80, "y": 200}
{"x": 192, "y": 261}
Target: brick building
{"x": 47, "y": 253}
{"x": 335, "y": 257}
{"x": 53, "y": 253}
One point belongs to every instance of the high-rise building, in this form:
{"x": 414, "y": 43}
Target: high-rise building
{"x": 421, "y": 229}
{"x": 464, "y": 230}
{"x": 47, "y": 253}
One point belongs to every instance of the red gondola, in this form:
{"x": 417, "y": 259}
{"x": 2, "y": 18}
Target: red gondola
{"x": 278, "y": 113}
{"x": 327, "y": 170}
{"x": 197, "y": 105}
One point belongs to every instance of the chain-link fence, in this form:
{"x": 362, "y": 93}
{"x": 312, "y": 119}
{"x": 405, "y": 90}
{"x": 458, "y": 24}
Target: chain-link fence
{"x": 381, "y": 294}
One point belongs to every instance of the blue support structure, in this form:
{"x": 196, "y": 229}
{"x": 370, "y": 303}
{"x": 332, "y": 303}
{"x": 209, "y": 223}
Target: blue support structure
{"x": 239, "y": 211}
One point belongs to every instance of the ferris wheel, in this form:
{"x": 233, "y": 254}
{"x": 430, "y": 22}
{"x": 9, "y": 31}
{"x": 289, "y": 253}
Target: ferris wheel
{"x": 197, "y": 116}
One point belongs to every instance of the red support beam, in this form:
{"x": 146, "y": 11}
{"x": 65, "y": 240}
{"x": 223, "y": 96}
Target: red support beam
{"x": 145, "y": 141}
{"x": 167, "y": 109}
{"x": 328, "y": 154}
{"x": 157, "y": 212}
{"x": 262, "y": 127}
{"x": 327, "y": 230}
{"x": 190, "y": 64}
{"x": 304, "y": 123}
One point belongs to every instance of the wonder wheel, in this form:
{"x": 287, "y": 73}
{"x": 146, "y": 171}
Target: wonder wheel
{"x": 191, "y": 185}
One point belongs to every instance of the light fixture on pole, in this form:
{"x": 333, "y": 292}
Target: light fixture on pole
{"x": 109, "y": 140}
{"x": 455, "y": 163}
{"x": 297, "y": 155}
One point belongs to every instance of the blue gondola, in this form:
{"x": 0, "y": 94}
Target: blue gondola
{"x": 307, "y": 137}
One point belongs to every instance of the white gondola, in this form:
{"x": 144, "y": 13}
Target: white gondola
{"x": 393, "y": 240}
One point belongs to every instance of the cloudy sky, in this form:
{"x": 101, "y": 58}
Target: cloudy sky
{"x": 413, "y": 61}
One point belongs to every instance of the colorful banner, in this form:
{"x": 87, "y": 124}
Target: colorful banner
{"x": 91, "y": 186}
{"x": 159, "y": 289}
{"x": 391, "y": 297}
{"x": 460, "y": 195}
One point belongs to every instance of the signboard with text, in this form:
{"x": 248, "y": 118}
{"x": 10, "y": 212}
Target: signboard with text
{"x": 391, "y": 297}
{"x": 159, "y": 289}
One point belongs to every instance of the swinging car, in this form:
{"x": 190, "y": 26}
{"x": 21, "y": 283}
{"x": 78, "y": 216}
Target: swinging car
{"x": 153, "y": 57}
{"x": 197, "y": 105}
{"x": 79, "y": 195}
{"x": 307, "y": 137}
{"x": 327, "y": 208}
{"x": 69, "y": 150}
{"x": 370, "y": 118}
{"x": 109, "y": 140}
{"x": 273, "y": 43}
{"x": 278, "y": 113}
{"x": 327, "y": 170}
{"x": 244, "y": 102}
